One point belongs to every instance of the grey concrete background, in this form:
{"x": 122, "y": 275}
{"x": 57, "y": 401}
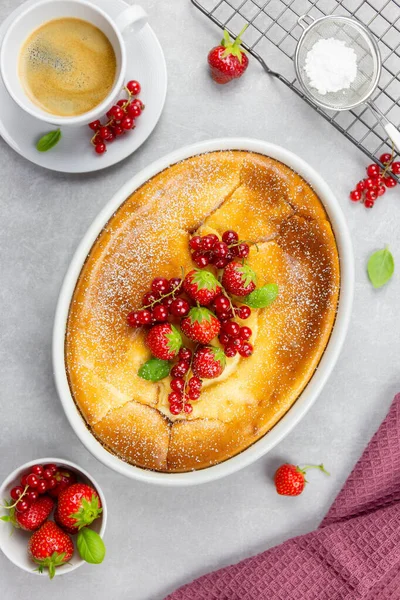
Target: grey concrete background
{"x": 159, "y": 538}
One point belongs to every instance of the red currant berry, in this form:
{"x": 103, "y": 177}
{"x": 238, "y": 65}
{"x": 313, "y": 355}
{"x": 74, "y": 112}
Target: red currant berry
{"x": 368, "y": 203}
{"x": 145, "y": 317}
{"x": 176, "y": 409}
{"x": 37, "y": 469}
{"x": 396, "y": 168}
{"x": 195, "y": 383}
{"x": 231, "y": 328}
{"x": 188, "y": 408}
{"x": 220, "y": 249}
{"x": 160, "y": 285}
{"x": 355, "y": 196}
{"x": 22, "y": 506}
{"x": 371, "y": 195}
{"x": 117, "y": 113}
{"x": 133, "y": 321}
{"x": 118, "y": 130}
{"x": 224, "y": 338}
{"x": 95, "y": 125}
{"x": 32, "y": 496}
{"x": 246, "y": 350}
{"x": 16, "y": 492}
{"x": 133, "y": 110}
{"x": 185, "y": 354}
{"x": 51, "y": 467}
{"x": 174, "y": 397}
{"x": 32, "y": 480}
{"x": 52, "y": 483}
{"x": 369, "y": 183}
{"x": 236, "y": 343}
{"x": 121, "y": 103}
{"x": 221, "y": 263}
{"x": 168, "y": 301}
{"x": 48, "y": 473}
{"x": 230, "y": 237}
{"x": 194, "y": 394}
{"x": 242, "y": 250}
{"x": 174, "y": 284}
{"x": 180, "y": 307}
{"x": 390, "y": 182}
{"x": 360, "y": 186}
{"x": 373, "y": 170}
{"x": 201, "y": 260}
{"x": 177, "y": 384}
{"x": 127, "y": 123}
{"x": 150, "y": 298}
{"x": 160, "y": 313}
{"x": 225, "y": 316}
{"x": 380, "y": 190}
{"x": 207, "y": 243}
{"x": 100, "y": 148}
{"x": 134, "y": 87}
{"x": 385, "y": 158}
{"x": 42, "y": 486}
{"x": 195, "y": 242}
{"x": 138, "y": 103}
{"x": 222, "y": 304}
{"x": 105, "y": 133}
{"x": 245, "y": 333}
{"x": 230, "y": 350}
{"x": 243, "y": 312}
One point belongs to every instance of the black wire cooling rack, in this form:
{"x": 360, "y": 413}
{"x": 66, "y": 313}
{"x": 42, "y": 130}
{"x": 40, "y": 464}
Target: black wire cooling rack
{"x": 272, "y": 36}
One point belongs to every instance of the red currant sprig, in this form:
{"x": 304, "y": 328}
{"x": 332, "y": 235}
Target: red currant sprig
{"x": 377, "y": 181}
{"x": 185, "y": 387}
{"x": 210, "y": 250}
{"x": 160, "y": 302}
{"x": 121, "y": 118}
{"x": 38, "y": 481}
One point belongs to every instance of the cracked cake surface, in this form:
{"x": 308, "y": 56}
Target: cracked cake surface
{"x": 264, "y": 201}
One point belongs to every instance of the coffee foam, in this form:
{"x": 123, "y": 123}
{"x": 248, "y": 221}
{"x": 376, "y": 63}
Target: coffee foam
{"x": 67, "y": 66}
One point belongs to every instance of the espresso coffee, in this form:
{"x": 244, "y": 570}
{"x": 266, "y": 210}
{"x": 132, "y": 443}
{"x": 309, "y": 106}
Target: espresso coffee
{"x": 67, "y": 67}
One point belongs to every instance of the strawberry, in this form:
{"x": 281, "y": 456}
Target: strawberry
{"x": 201, "y": 325}
{"x": 239, "y": 279}
{"x": 290, "y": 480}
{"x": 70, "y": 530}
{"x": 208, "y": 362}
{"x": 228, "y": 61}
{"x": 50, "y": 547}
{"x": 164, "y": 341}
{"x": 64, "y": 478}
{"x": 202, "y": 286}
{"x": 36, "y": 515}
{"x": 78, "y": 505}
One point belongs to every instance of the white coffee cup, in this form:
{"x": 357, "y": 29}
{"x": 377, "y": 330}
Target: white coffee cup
{"x": 130, "y": 20}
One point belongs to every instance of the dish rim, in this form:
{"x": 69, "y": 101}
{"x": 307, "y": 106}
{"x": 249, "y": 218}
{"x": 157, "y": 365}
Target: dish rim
{"x": 318, "y": 379}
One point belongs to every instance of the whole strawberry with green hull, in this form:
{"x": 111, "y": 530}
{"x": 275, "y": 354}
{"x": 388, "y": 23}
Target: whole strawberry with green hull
{"x": 69, "y": 530}
{"x": 64, "y": 478}
{"x": 78, "y": 506}
{"x": 201, "y": 325}
{"x": 239, "y": 279}
{"x": 164, "y": 341}
{"x": 228, "y": 61}
{"x": 290, "y": 479}
{"x": 208, "y": 362}
{"x": 202, "y": 286}
{"x": 36, "y": 515}
{"x": 50, "y": 547}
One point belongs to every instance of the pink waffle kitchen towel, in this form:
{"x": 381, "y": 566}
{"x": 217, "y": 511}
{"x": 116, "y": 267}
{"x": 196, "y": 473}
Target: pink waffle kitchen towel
{"x": 355, "y": 553}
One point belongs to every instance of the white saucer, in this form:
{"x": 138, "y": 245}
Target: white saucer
{"x": 74, "y": 153}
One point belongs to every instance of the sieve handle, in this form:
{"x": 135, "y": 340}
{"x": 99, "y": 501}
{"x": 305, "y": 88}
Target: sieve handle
{"x": 390, "y": 129}
{"x": 305, "y": 21}
{"x": 394, "y": 134}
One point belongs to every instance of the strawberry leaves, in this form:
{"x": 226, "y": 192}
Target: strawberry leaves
{"x": 219, "y": 355}
{"x": 174, "y": 340}
{"x": 154, "y": 369}
{"x": 198, "y": 315}
{"x": 262, "y": 297}
{"x": 50, "y": 563}
{"x": 205, "y": 280}
{"x": 247, "y": 274}
{"x": 87, "y": 513}
{"x": 90, "y": 546}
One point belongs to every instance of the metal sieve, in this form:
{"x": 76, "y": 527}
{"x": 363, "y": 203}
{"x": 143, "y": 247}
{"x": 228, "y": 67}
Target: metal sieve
{"x": 369, "y": 65}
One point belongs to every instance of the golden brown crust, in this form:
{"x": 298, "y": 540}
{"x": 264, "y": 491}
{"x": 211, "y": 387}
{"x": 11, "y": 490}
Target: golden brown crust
{"x": 264, "y": 201}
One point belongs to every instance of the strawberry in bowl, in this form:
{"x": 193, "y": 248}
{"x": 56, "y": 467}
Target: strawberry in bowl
{"x": 42, "y": 540}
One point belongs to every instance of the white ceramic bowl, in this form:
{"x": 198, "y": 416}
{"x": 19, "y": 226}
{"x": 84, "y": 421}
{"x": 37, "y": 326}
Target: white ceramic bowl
{"x": 14, "y": 543}
{"x": 328, "y": 360}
